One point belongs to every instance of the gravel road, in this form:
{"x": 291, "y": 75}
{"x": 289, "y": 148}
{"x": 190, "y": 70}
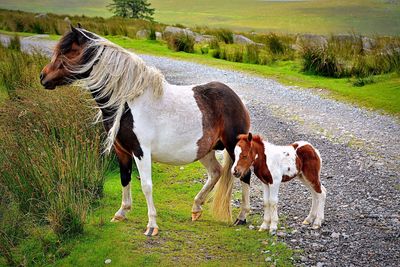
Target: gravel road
{"x": 361, "y": 155}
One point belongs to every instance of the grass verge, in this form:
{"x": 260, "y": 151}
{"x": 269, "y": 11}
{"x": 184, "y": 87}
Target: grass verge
{"x": 181, "y": 241}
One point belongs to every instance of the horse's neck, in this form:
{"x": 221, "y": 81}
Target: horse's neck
{"x": 260, "y": 163}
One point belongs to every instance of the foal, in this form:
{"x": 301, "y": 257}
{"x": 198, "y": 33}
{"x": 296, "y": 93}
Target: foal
{"x": 275, "y": 164}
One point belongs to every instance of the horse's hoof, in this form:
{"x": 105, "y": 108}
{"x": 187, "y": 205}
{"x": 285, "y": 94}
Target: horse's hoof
{"x": 316, "y": 226}
{"x": 239, "y": 222}
{"x": 306, "y": 222}
{"x": 151, "y": 231}
{"x": 196, "y": 215}
{"x": 118, "y": 218}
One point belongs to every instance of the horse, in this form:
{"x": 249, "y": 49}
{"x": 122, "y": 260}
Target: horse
{"x": 275, "y": 164}
{"x": 148, "y": 119}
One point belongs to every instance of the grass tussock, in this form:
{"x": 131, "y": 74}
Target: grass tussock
{"x": 181, "y": 42}
{"x": 51, "y": 161}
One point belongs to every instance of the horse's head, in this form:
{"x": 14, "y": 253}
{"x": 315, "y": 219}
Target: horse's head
{"x": 244, "y": 155}
{"x": 69, "y": 52}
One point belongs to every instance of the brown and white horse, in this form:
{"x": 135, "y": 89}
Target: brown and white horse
{"x": 147, "y": 119}
{"x": 275, "y": 164}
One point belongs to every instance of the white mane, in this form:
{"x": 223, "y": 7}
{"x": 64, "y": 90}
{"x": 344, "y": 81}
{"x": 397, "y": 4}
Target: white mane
{"x": 119, "y": 75}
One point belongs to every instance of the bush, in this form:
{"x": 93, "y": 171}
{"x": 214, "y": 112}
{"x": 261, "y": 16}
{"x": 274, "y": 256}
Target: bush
{"x": 152, "y": 35}
{"x": 252, "y": 54}
{"x": 15, "y": 43}
{"x": 181, "y": 42}
{"x": 51, "y": 159}
{"x": 359, "y": 82}
{"x": 224, "y": 35}
{"x": 275, "y": 45}
{"x": 320, "y": 61}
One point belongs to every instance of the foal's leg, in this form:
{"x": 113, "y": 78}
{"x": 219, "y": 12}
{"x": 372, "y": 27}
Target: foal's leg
{"x": 314, "y": 202}
{"x": 125, "y": 167}
{"x": 273, "y": 204}
{"x": 320, "y": 208}
{"x": 144, "y": 167}
{"x": 214, "y": 172}
{"x": 245, "y": 204}
{"x": 267, "y": 216}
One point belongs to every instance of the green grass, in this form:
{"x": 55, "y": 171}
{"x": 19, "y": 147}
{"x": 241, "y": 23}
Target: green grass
{"x": 180, "y": 241}
{"x": 382, "y": 95}
{"x": 317, "y": 16}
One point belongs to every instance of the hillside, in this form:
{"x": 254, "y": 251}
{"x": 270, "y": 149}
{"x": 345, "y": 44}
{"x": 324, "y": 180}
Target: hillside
{"x": 317, "y": 16}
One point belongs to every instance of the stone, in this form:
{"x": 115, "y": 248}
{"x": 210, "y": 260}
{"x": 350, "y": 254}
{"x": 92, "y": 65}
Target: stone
{"x": 142, "y": 34}
{"x": 41, "y": 16}
{"x": 368, "y": 43}
{"x": 107, "y": 261}
{"x": 204, "y": 38}
{"x": 320, "y": 264}
{"x": 170, "y": 30}
{"x": 268, "y": 259}
{"x": 310, "y": 40}
{"x": 240, "y": 39}
{"x": 159, "y": 36}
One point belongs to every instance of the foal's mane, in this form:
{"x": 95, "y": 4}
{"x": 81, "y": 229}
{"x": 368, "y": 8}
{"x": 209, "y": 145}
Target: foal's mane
{"x": 116, "y": 75}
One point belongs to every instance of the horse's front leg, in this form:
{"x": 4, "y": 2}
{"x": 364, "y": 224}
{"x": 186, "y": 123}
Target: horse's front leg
{"x": 273, "y": 204}
{"x": 125, "y": 167}
{"x": 245, "y": 204}
{"x": 144, "y": 167}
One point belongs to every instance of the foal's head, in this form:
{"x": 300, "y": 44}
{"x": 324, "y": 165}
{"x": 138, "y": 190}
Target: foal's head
{"x": 69, "y": 52}
{"x": 245, "y": 155}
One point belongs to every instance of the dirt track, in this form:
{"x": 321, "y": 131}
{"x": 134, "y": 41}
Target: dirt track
{"x": 361, "y": 155}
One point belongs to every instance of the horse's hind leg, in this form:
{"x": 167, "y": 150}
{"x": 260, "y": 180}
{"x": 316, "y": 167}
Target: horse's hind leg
{"x": 214, "y": 172}
{"x": 318, "y": 192}
{"x": 125, "y": 166}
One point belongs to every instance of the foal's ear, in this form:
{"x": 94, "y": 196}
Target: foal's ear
{"x": 249, "y": 137}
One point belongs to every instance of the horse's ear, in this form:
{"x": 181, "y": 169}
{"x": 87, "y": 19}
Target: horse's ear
{"x": 79, "y": 25}
{"x": 249, "y": 137}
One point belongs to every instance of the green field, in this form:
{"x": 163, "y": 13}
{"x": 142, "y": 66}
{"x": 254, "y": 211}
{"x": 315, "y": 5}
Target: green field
{"x": 317, "y": 16}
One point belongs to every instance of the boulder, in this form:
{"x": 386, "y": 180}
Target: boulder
{"x": 159, "y": 36}
{"x": 41, "y": 16}
{"x": 310, "y": 40}
{"x": 170, "y": 30}
{"x": 204, "y": 38}
{"x": 240, "y": 39}
{"x": 142, "y": 34}
{"x": 368, "y": 43}
{"x": 347, "y": 38}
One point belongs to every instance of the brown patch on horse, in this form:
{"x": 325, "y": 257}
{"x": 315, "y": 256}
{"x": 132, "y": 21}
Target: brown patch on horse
{"x": 254, "y": 150}
{"x": 311, "y": 165}
{"x": 224, "y": 117}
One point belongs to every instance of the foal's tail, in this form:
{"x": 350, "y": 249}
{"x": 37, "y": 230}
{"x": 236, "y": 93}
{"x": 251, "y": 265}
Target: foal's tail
{"x": 221, "y": 206}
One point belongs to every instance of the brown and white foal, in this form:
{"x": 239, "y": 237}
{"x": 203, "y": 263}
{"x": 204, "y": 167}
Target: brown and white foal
{"x": 275, "y": 164}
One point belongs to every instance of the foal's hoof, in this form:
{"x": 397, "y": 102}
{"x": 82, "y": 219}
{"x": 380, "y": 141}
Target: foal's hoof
{"x": 196, "y": 215}
{"x": 151, "y": 231}
{"x": 118, "y": 218}
{"x": 240, "y": 222}
{"x": 306, "y": 222}
{"x": 316, "y": 226}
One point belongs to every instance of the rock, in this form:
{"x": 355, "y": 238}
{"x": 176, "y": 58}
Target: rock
{"x": 159, "y": 36}
{"x": 335, "y": 235}
{"x": 204, "y": 38}
{"x": 368, "y": 43}
{"x": 303, "y": 259}
{"x": 182, "y": 168}
{"x": 268, "y": 259}
{"x": 41, "y": 16}
{"x": 170, "y": 30}
{"x": 251, "y": 227}
{"x": 142, "y": 34}
{"x": 281, "y": 234}
{"x": 107, "y": 261}
{"x": 240, "y": 39}
{"x": 320, "y": 264}
{"x": 347, "y": 38}
{"x": 310, "y": 40}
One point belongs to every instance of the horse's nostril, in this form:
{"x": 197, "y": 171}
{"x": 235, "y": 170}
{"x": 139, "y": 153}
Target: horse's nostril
{"x": 41, "y": 76}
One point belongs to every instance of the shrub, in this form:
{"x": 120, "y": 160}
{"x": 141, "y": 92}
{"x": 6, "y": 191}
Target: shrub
{"x": 51, "y": 159}
{"x": 181, "y": 42}
{"x": 320, "y": 61}
{"x": 361, "y": 81}
{"x": 204, "y": 50}
{"x": 275, "y": 45}
{"x": 152, "y": 35}
{"x": 224, "y": 35}
{"x": 15, "y": 43}
{"x": 252, "y": 54}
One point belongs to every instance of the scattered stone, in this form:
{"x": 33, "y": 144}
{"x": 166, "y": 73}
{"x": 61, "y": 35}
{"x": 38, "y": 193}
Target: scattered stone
{"x": 310, "y": 40}
{"x": 107, "y": 261}
{"x": 41, "y": 16}
{"x": 240, "y": 39}
{"x": 142, "y": 34}
{"x": 170, "y": 30}
{"x": 182, "y": 168}
{"x": 268, "y": 259}
{"x": 320, "y": 264}
{"x": 159, "y": 36}
{"x": 251, "y": 227}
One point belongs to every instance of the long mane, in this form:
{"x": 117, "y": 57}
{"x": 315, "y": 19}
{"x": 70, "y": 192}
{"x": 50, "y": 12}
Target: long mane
{"x": 116, "y": 75}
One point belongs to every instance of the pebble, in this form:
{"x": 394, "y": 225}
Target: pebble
{"x": 107, "y": 261}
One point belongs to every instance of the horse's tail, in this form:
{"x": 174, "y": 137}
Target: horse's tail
{"x": 221, "y": 206}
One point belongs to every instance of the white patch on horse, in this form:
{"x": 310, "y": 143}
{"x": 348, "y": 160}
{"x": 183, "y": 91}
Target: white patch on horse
{"x": 280, "y": 160}
{"x": 237, "y": 151}
{"x": 170, "y": 125}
